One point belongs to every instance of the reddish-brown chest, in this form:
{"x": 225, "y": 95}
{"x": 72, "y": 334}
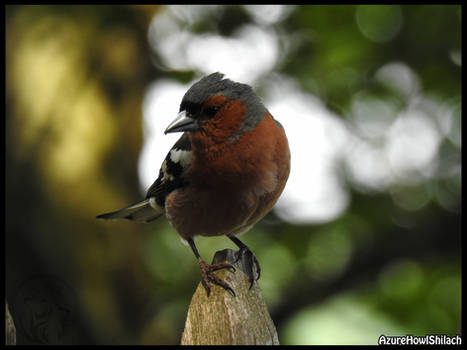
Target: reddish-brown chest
{"x": 232, "y": 185}
{"x": 248, "y": 161}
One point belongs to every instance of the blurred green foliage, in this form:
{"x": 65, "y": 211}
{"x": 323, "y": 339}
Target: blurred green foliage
{"x": 75, "y": 80}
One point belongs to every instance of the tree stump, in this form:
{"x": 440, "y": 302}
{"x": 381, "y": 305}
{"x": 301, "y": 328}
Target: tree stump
{"x": 222, "y": 319}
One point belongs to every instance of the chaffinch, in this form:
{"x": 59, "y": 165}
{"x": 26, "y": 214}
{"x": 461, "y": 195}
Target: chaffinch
{"x": 223, "y": 175}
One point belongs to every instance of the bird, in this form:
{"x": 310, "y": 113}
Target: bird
{"x": 223, "y": 175}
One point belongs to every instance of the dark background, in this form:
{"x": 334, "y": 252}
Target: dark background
{"x": 76, "y": 76}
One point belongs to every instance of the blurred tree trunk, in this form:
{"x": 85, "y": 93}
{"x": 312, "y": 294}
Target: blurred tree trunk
{"x": 76, "y": 79}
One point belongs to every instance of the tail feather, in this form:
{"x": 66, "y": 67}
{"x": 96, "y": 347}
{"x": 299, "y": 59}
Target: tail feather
{"x": 141, "y": 212}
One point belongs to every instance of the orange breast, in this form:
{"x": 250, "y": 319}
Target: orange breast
{"x": 254, "y": 159}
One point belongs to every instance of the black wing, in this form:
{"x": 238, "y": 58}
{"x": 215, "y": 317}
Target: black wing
{"x": 171, "y": 172}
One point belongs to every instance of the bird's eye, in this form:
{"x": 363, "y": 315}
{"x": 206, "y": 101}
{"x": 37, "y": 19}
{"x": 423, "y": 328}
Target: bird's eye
{"x": 210, "y": 111}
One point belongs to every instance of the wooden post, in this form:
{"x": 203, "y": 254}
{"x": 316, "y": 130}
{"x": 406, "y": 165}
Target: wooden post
{"x": 222, "y": 319}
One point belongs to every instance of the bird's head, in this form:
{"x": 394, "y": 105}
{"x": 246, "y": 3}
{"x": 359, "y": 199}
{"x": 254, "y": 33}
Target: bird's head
{"x": 218, "y": 109}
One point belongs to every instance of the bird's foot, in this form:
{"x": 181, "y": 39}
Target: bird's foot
{"x": 208, "y": 276}
{"x": 251, "y": 263}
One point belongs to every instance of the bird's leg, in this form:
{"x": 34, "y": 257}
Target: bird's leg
{"x": 252, "y": 263}
{"x": 207, "y": 271}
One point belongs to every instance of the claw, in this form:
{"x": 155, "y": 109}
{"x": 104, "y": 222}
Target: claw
{"x": 206, "y": 287}
{"x": 225, "y": 286}
{"x": 258, "y": 268}
{"x": 208, "y": 276}
{"x": 252, "y": 262}
{"x": 221, "y": 266}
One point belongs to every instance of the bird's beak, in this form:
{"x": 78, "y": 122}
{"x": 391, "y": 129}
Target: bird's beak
{"x": 183, "y": 122}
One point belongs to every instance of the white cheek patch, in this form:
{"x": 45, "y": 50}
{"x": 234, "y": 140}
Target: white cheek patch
{"x": 182, "y": 157}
